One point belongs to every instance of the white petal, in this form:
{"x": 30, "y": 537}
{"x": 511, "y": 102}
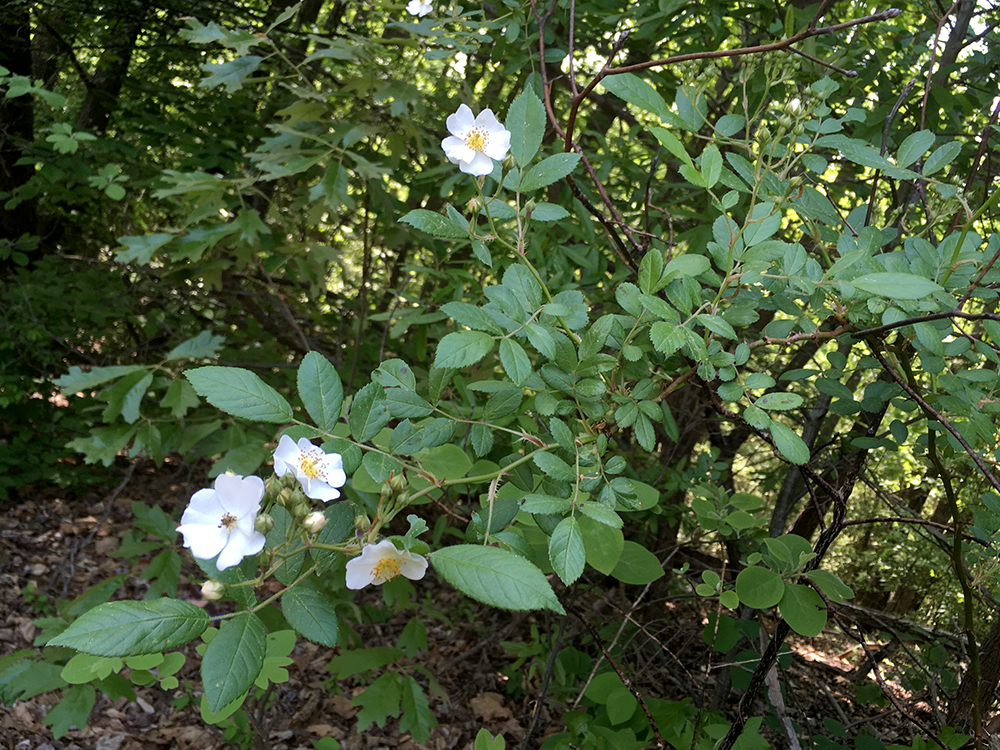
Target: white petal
{"x": 205, "y": 542}
{"x": 204, "y": 505}
{"x": 456, "y": 149}
{"x": 359, "y": 569}
{"x": 238, "y": 547}
{"x": 489, "y": 121}
{"x": 412, "y": 566}
{"x": 240, "y": 496}
{"x": 322, "y": 491}
{"x": 286, "y": 456}
{"x": 460, "y": 123}
{"x": 498, "y": 145}
{"x": 479, "y": 165}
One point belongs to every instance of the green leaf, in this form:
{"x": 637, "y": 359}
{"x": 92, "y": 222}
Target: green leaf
{"x": 803, "y": 610}
{"x": 379, "y": 701}
{"x": 896, "y": 285}
{"x": 320, "y": 390}
{"x": 350, "y": 663}
{"x": 759, "y": 588}
{"x": 779, "y": 401}
{"x": 915, "y": 146}
{"x": 73, "y": 710}
{"x": 548, "y": 212}
{"x": 462, "y": 348}
{"x": 417, "y": 718}
{"x": 941, "y": 157}
{"x": 566, "y": 550}
{"x": 127, "y": 628}
{"x": 240, "y": 393}
{"x": 711, "y": 165}
{"x": 789, "y": 444}
{"x": 140, "y": 249}
{"x": 554, "y": 466}
{"x": 515, "y": 361}
{"x": 202, "y": 345}
{"x": 526, "y": 123}
{"x": 717, "y": 325}
{"x": 548, "y": 171}
{"x": 233, "y": 660}
{"x": 471, "y": 316}
{"x": 76, "y": 380}
{"x": 637, "y": 92}
{"x": 310, "y": 614}
{"x": 446, "y": 462}
{"x": 496, "y": 577}
{"x": 835, "y": 589}
{"x": 603, "y": 543}
{"x": 369, "y": 412}
{"x": 672, "y": 144}
{"x": 637, "y": 565}
{"x": 230, "y": 74}
{"x": 434, "y": 224}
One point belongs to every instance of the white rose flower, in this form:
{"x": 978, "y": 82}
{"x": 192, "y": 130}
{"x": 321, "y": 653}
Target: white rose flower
{"x": 220, "y": 521}
{"x": 319, "y": 473}
{"x": 475, "y": 141}
{"x": 380, "y": 562}
{"x": 419, "y": 7}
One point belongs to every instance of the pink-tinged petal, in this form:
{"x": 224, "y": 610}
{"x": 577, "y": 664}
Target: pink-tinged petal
{"x": 205, "y": 542}
{"x": 460, "y": 123}
{"x": 479, "y": 165}
{"x": 286, "y": 456}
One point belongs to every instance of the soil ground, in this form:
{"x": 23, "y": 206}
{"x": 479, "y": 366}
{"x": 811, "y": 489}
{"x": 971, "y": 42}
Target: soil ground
{"x": 59, "y": 542}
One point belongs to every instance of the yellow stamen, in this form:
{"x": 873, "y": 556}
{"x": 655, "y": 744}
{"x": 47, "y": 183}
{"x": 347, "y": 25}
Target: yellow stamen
{"x": 476, "y": 139}
{"x": 385, "y": 569}
{"x": 310, "y": 466}
{"x": 228, "y": 522}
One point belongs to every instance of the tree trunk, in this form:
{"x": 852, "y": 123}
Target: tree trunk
{"x": 961, "y": 706}
{"x": 106, "y": 82}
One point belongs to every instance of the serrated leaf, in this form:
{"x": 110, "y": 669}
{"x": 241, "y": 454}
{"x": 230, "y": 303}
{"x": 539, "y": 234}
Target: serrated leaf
{"x": 496, "y": 577}
{"x": 462, "y": 348}
{"x": 554, "y": 467}
{"x": 320, "y": 390}
{"x": 789, "y": 444}
{"x": 913, "y": 147}
{"x": 72, "y": 710}
{"x": 311, "y": 615}
{"x": 471, "y": 316}
{"x": 566, "y": 551}
{"x": 526, "y": 123}
{"x": 369, "y": 412}
{"x": 140, "y": 249}
{"x": 240, "y": 393}
{"x": 127, "y": 628}
{"x": 759, "y": 588}
{"x": 515, "y": 361}
{"x": 548, "y": 171}
{"x": 896, "y": 285}
{"x": 202, "y": 345}
{"x": 779, "y": 401}
{"x": 711, "y": 165}
{"x": 233, "y": 660}
{"x": 637, "y": 92}
{"x": 941, "y": 157}
{"x": 230, "y": 74}
{"x": 434, "y": 224}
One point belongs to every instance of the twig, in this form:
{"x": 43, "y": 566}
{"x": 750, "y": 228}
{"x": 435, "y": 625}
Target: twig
{"x": 885, "y": 140}
{"x": 932, "y": 413}
{"x": 956, "y": 313}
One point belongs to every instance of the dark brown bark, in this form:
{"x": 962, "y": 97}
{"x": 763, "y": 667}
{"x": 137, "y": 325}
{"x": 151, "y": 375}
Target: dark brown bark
{"x": 961, "y": 706}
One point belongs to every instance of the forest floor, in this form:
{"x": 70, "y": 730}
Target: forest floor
{"x": 472, "y": 649}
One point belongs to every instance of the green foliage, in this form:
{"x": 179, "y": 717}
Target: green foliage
{"x": 596, "y": 370}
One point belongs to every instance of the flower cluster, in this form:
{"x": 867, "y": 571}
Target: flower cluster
{"x": 222, "y": 522}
